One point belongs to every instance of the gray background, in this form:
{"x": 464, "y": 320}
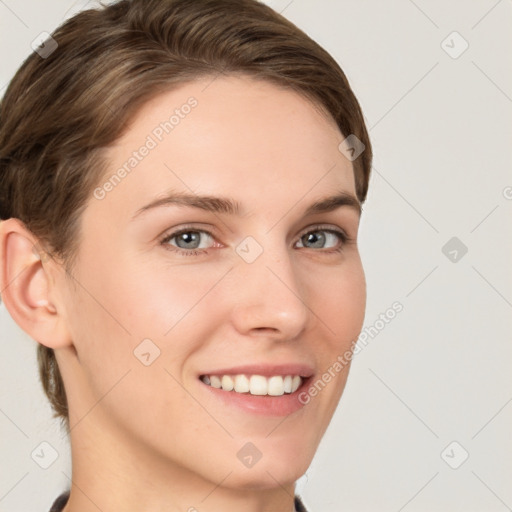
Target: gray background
{"x": 439, "y": 372}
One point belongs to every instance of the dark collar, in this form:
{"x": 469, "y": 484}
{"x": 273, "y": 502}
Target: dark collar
{"x": 61, "y": 501}
{"x": 299, "y": 506}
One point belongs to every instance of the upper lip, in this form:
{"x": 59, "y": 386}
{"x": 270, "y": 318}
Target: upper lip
{"x": 266, "y": 370}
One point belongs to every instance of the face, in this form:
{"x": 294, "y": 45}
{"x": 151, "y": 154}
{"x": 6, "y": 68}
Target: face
{"x": 176, "y": 293}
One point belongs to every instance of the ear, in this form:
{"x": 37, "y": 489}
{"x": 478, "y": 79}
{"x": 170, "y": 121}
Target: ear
{"x": 26, "y": 285}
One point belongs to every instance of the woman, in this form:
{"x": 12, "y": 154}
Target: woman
{"x": 181, "y": 187}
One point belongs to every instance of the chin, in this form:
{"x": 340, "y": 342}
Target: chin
{"x": 271, "y": 473}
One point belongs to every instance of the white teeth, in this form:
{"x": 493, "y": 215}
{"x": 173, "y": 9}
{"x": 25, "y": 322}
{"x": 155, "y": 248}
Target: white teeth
{"x": 295, "y": 383}
{"x": 287, "y": 384}
{"x": 227, "y": 383}
{"x": 215, "y": 382}
{"x": 259, "y": 385}
{"x": 276, "y": 386}
{"x": 242, "y": 384}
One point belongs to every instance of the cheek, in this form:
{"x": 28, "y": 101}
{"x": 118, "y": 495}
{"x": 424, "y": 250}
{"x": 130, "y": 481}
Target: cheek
{"x": 342, "y": 303}
{"x": 163, "y": 300}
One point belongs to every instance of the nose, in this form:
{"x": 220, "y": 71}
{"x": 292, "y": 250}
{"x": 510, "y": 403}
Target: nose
{"x": 269, "y": 297}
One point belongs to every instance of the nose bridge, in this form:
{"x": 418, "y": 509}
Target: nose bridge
{"x": 269, "y": 292}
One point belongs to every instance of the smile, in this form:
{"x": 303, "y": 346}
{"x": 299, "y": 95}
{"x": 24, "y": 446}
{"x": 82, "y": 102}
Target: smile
{"x": 258, "y": 385}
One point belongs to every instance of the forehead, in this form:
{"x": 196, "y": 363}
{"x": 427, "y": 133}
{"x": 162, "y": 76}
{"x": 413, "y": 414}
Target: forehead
{"x": 231, "y": 136}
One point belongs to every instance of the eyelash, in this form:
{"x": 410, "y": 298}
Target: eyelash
{"x": 198, "y": 252}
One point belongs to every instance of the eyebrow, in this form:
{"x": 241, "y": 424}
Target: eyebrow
{"x": 219, "y": 204}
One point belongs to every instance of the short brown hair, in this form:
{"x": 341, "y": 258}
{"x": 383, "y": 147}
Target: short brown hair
{"x": 60, "y": 112}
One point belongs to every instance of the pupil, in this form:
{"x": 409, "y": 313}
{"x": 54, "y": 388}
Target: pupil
{"x": 189, "y": 237}
{"x": 316, "y": 238}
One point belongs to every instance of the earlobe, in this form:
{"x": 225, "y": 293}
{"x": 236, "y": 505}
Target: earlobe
{"x": 25, "y": 284}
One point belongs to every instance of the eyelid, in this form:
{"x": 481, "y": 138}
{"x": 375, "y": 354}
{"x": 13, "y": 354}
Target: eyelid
{"x": 325, "y": 227}
{"x": 170, "y": 234}
{"x": 210, "y": 230}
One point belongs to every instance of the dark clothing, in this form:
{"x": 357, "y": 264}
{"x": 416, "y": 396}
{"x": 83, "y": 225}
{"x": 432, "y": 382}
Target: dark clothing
{"x": 61, "y": 501}
{"x": 299, "y": 505}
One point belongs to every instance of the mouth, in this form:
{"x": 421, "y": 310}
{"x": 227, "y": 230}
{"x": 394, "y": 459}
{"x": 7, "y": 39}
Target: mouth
{"x": 259, "y": 389}
{"x": 256, "y": 385}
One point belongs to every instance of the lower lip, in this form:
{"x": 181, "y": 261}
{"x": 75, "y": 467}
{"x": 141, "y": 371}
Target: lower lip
{"x": 264, "y": 405}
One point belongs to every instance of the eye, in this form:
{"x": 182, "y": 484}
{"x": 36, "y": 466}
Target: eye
{"x": 322, "y": 238}
{"x": 195, "y": 242}
{"x": 187, "y": 241}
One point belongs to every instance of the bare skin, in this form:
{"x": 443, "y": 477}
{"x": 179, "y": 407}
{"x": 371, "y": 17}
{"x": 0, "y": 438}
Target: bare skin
{"x": 155, "y": 437}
